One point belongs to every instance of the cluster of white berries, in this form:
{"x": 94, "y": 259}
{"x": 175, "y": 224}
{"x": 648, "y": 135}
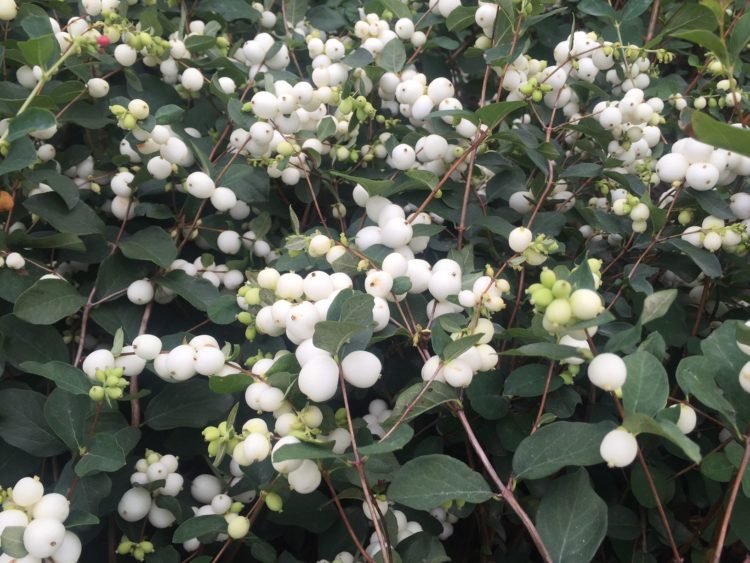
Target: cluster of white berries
{"x": 208, "y": 491}
{"x": 406, "y": 528}
{"x": 42, "y": 518}
{"x": 701, "y": 166}
{"x": 201, "y": 355}
{"x": 141, "y": 500}
{"x": 460, "y": 371}
{"x": 714, "y": 234}
{"x": 13, "y": 260}
{"x": 446, "y": 519}
{"x": 378, "y": 413}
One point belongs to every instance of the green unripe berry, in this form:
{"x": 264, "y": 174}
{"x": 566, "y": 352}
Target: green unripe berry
{"x": 250, "y": 333}
{"x": 558, "y": 312}
{"x": 340, "y": 417}
{"x": 238, "y": 528}
{"x": 124, "y": 547}
{"x": 548, "y": 278}
{"x": 252, "y": 296}
{"x": 244, "y": 317}
{"x": 346, "y": 106}
{"x": 128, "y": 122}
{"x": 213, "y": 448}
{"x": 96, "y": 393}
{"x": 561, "y": 289}
{"x": 541, "y": 298}
{"x": 146, "y": 546}
{"x": 114, "y": 393}
{"x": 274, "y": 502}
{"x": 537, "y": 96}
{"x": 285, "y": 148}
{"x": 685, "y": 217}
{"x": 211, "y": 433}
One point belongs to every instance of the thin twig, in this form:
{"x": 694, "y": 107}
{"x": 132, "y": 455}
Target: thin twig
{"x": 505, "y": 492}
{"x": 718, "y": 548}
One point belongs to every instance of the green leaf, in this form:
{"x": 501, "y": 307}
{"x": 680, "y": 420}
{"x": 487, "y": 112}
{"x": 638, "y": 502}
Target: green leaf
{"x": 543, "y": 349}
{"x": 633, "y": 9}
{"x": 63, "y": 186}
{"x": 352, "y": 307}
{"x": 437, "y": 394}
{"x": 15, "y": 464}
{"x": 116, "y": 273}
{"x": 422, "y": 547}
{"x": 251, "y": 185}
{"x": 230, "y": 10}
{"x": 689, "y": 16}
{"x": 559, "y": 445}
{"x": 39, "y": 50}
{"x": 582, "y": 170}
{"x": 572, "y": 519}
{"x": 20, "y": 155}
{"x": 530, "y": 381}
{"x": 332, "y": 335}
{"x": 696, "y": 376}
{"x": 48, "y": 301}
{"x": 198, "y": 292}
{"x": 68, "y": 417}
{"x": 647, "y": 386}
{"x": 393, "y": 55}
{"x": 224, "y": 310}
{"x": 399, "y": 9}
{"x": 22, "y": 423}
{"x": 495, "y": 224}
{"x": 720, "y": 347}
{"x": 657, "y": 304}
{"x": 457, "y": 347}
{"x": 493, "y": 114}
{"x": 199, "y": 43}
{"x": 107, "y": 451}
{"x": 169, "y": 114}
{"x": 63, "y": 241}
{"x": 598, "y": 8}
{"x": 460, "y": 18}
{"x": 31, "y": 120}
{"x": 325, "y": 18}
{"x": 639, "y": 423}
{"x": 21, "y": 341}
{"x": 706, "y": 261}
{"x": 12, "y": 541}
{"x": 199, "y": 526}
{"x": 428, "y": 481}
{"x": 706, "y": 39}
{"x": 373, "y": 187}
{"x": 66, "y": 377}
{"x": 485, "y": 395}
{"x": 151, "y": 244}
{"x": 397, "y": 440}
{"x": 79, "y": 220}
{"x": 306, "y": 450}
{"x": 189, "y": 404}
{"x": 719, "y": 134}
{"x": 232, "y": 383}
{"x": 739, "y": 37}
{"x": 295, "y": 10}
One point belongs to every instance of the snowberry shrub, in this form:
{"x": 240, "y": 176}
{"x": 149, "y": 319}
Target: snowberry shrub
{"x": 374, "y": 282}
